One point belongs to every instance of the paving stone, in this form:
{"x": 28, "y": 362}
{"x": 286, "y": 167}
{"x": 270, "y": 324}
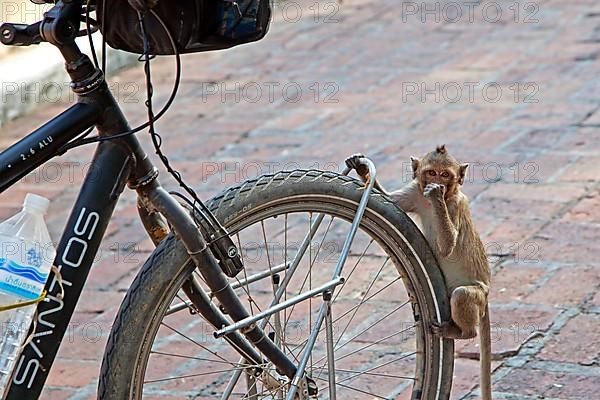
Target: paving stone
{"x": 75, "y": 374}
{"x": 583, "y": 170}
{"x": 568, "y": 241}
{"x": 538, "y": 383}
{"x": 561, "y": 291}
{"x": 515, "y": 281}
{"x": 588, "y": 209}
{"x": 534, "y": 192}
{"x": 577, "y": 341}
{"x": 57, "y": 394}
{"x": 511, "y": 326}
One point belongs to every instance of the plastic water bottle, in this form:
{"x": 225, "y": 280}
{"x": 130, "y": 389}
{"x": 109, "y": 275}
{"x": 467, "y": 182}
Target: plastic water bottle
{"x": 26, "y": 257}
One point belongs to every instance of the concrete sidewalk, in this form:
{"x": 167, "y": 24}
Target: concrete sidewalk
{"x": 516, "y": 95}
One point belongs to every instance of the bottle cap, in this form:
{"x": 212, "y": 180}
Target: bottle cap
{"x": 39, "y": 203}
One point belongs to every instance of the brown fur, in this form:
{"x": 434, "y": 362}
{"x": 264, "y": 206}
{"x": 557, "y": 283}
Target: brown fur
{"x": 435, "y": 196}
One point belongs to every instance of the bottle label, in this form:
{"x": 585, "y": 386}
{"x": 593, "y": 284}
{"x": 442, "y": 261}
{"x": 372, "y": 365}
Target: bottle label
{"x": 24, "y": 281}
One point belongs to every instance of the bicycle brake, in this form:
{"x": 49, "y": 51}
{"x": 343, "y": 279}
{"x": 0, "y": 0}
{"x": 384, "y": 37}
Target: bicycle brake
{"x": 220, "y": 244}
{"x": 228, "y": 255}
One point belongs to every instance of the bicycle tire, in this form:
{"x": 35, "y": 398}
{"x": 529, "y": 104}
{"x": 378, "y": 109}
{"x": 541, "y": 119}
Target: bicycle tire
{"x": 146, "y": 302}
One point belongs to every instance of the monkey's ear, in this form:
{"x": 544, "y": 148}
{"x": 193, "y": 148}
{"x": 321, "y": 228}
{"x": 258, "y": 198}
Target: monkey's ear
{"x": 462, "y": 172}
{"x": 414, "y": 161}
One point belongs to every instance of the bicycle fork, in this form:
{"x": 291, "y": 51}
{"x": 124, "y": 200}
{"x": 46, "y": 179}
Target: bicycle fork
{"x": 154, "y": 199}
{"x": 244, "y": 332}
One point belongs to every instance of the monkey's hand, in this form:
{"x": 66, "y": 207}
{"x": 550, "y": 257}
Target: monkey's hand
{"x": 355, "y": 162}
{"x": 434, "y": 191}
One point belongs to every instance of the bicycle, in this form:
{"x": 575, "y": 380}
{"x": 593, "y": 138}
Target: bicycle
{"x": 311, "y": 329}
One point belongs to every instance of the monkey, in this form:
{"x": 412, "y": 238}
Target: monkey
{"x": 435, "y": 195}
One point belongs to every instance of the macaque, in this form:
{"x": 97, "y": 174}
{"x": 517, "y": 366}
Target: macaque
{"x": 434, "y": 195}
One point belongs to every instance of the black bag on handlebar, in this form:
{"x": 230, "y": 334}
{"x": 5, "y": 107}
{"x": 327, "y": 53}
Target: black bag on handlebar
{"x": 195, "y": 25}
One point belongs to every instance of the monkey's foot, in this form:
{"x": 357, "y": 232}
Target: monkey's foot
{"x": 450, "y": 330}
{"x": 437, "y": 329}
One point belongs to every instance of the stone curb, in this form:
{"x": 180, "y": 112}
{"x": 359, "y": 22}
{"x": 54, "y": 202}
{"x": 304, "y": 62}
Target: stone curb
{"x": 36, "y": 77}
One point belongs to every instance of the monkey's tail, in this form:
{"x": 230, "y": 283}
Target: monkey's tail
{"x": 485, "y": 351}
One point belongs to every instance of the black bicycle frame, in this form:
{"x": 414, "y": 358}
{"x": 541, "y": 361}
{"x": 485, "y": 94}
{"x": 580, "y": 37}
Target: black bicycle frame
{"x": 116, "y": 162}
{"x": 109, "y": 171}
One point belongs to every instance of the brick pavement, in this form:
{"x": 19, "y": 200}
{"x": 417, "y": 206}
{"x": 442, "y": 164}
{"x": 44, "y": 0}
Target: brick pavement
{"x": 518, "y": 98}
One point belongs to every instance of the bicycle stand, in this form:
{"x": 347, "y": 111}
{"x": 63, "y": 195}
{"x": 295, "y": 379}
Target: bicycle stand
{"x": 302, "y": 386}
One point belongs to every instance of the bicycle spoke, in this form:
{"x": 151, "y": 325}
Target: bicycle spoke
{"x": 192, "y": 375}
{"x": 259, "y": 310}
{"x": 362, "y": 301}
{"x": 412, "y": 378}
{"x": 212, "y": 360}
{"x": 273, "y": 285}
{"x": 245, "y": 273}
{"x": 366, "y": 300}
{"x": 356, "y": 306}
{"x": 306, "y": 278}
{"x": 374, "y": 343}
{"x": 277, "y": 326}
{"x": 381, "y": 366}
{"x": 368, "y": 345}
{"x": 262, "y": 224}
{"x": 321, "y": 368}
{"x": 197, "y": 344}
{"x": 372, "y": 325}
{"x": 356, "y": 390}
{"x": 352, "y": 271}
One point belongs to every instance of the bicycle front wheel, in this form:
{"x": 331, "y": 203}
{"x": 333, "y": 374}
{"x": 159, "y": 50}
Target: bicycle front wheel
{"x": 380, "y": 346}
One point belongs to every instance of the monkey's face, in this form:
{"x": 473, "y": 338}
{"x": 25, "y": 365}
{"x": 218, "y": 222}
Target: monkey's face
{"x": 439, "y": 167}
{"x": 440, "y": 174}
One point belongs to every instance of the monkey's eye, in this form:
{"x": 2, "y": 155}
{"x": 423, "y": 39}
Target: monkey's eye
{"x": 431, "y": 172}
{"x": 445, "y": 174}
